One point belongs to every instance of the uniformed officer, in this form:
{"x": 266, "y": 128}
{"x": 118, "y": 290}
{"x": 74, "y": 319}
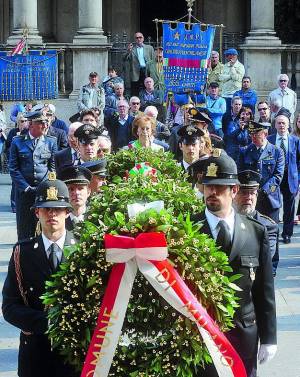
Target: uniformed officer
{"x": 246, "y": 243}
{"x": 87, "y": 135}
{"x": 99, "y": 173}
{"x": 245, "y": 202}
{"x": 201, "y": 119}
{"x": 191, "y": 142}
{"x": 32, "y": 262}
{"x": 77, "y": 179}
{"x": 268, "y": 160}
{"x": 31, "y": 158}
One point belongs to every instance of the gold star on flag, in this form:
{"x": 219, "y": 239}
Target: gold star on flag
{"x": 176, "y": 35}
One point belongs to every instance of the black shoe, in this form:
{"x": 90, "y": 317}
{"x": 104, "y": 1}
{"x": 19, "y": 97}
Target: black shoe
{"x": 286, "y": 239}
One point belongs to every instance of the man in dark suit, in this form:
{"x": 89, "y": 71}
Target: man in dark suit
{"x": 245, "y": 203}
{"x": 268, "y": 160}
{"x": 32, "y": 263}
{"x": 60, "y": 135}
{"x": 119, "y": 127}
{"x": 31, "y": 158}
{"x": 290, "y": 145}
{"x": 135, "y": 60}
{"x": 77, "y": 179}
{"x": 246, "y": 243}
{"x": 68, "y": 156}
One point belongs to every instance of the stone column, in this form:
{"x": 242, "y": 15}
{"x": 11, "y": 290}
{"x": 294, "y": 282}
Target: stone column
{"x": 262, "y": 49}
{"x": 90, "y": 47}
{"x": 25, "y": 17}
{"x": 90, "y": 22}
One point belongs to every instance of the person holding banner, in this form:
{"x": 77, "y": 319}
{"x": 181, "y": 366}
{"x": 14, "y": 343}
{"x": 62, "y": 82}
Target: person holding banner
{"x": 245, "y": 241}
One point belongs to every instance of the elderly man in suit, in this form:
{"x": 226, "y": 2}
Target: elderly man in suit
{"x": 31, "y": 158}
{"x": 290, "y": 145}
{"x": 245, "y": 241}
{"x": 32, "y": 263}
{"x": 135, "y": 60}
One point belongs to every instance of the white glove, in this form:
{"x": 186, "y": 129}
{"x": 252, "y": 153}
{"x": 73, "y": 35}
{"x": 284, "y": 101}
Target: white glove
{"x": 266, "y": 352}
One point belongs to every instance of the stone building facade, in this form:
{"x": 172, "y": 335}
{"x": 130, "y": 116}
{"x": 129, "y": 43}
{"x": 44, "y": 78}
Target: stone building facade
{"x": 81, "y": 27}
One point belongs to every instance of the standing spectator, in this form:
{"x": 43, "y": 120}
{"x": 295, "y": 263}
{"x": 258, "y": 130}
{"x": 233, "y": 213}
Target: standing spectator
{"x": 104, "y": 146}
{"x": 31, "y": 159}
{"x": 68, "y": 156}
{"x": 267, "y": 160}
{"x": 135, "y": 60}
{"x": 60, "y": 135}
{"x": 290, "y": 146}
{"x": 89, "y": 116}
{"x": 31, "y": 265}
{"x": 248, "y": 95}
{"x": 216, "y": 106}
{"x": 215, "y": 69}
{"x": 232, "y": 75}
{"x": 92, "y": 95}
{"x": 162, "y": 132}
{"x": 20, "y": 129}
{"x": 245, "y": 241}
{"x": 154, "y": 69}
{"x": 151, "y": 97}
{"x": 134, "y": 106}
{"x": 119, "y": 126}
{"x": 237, "y": 135}
{"x": 284, "y": 96}
{"x": 2, "y": 138}
{"x": 20, "y": 108}
{"x": 232, "y": 116}
{"x": 111, "y": 80}
{"x": 264, "y": 112}
{"x": 49, "y": 111}
{"x": 113, "y": 99}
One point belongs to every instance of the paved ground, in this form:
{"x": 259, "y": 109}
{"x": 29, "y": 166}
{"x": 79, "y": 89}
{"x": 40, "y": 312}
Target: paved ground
{"x": 285, "y": 364}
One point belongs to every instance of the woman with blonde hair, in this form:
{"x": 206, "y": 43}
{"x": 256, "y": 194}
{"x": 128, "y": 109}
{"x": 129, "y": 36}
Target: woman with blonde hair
{"x": 143, "y": 128}
{"x": 296, "y": 126}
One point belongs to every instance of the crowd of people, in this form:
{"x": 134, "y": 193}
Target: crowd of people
{"x": 260, "y": 140}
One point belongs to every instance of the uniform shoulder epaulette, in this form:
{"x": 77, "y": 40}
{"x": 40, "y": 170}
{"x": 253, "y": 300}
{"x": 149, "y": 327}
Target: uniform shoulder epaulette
{"x": 254, "y": 220}
{"x": 51, "y": 136}
{"x": 268, "y": 218}
{"x": 25, "y": 241}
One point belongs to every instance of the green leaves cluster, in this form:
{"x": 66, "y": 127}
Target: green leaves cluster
{"x": 156, "y": 340}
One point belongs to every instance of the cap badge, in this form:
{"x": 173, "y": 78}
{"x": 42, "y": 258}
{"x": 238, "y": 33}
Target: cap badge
{"x": 216, "y": 152}
{"x": 87, "y": 132}
{"x": 190, "y": 130}
{"x": 52, "y": 193}
{"x": 52, "y": 176}
{"x": 212, "y": 170}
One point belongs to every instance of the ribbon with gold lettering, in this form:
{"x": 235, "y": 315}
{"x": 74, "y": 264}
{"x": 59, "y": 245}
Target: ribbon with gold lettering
{"x": 148, "y": 253}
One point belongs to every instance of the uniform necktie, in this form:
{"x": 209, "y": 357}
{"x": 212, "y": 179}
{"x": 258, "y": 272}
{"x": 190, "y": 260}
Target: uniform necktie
{"x": 224, "y": 239}
{"x": 282, "y": 146}
{"x": 53, "y": 258}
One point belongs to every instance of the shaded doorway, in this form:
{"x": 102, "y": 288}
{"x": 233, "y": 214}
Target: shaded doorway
{"x": 161, "y": 9}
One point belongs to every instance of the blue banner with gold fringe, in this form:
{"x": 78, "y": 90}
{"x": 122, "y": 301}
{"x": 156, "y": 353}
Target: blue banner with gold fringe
{"x": 186, "y": 54}
{"x": 33, "y": 76}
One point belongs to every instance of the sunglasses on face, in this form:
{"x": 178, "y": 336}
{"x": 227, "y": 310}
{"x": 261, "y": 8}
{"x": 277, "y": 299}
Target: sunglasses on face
{"x": 283, "y": 80}
{"x": 139, "y": 37}
{"x": 135, "y": 103}
{"x": 23, "y": 120}
{"x": 104, "y": 150}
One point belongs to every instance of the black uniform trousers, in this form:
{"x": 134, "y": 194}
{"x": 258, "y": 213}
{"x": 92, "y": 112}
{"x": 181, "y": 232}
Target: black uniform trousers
{"x": 288, "y": 206}
{"x": 26, "y": 219}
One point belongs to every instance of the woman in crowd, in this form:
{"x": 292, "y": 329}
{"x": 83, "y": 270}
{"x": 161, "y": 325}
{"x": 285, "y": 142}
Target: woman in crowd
{"x": 143, "y": 128}
{"x": 237, "y": 135}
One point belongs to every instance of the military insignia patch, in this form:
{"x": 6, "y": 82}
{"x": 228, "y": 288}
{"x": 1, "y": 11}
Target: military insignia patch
{"x": 273, "y": 188}
{"x": 52, "y": 176}
{"x": 212, "y": 170}
{"x": 216, "y": 152}
{"x": 191, "y": 130}
{"x": 52, "y": 193}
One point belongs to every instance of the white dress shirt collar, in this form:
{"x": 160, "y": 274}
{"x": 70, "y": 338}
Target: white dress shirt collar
{"x": 213, "y": 222}
{"x": 60, "y": 243}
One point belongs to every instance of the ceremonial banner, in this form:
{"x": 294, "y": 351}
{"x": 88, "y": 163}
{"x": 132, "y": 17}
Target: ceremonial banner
{"x": 186, "y": 54}
{"x": 28, "y": 77}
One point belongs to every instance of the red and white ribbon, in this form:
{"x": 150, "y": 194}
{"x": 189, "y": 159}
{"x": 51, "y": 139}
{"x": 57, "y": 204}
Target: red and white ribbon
{"x": 148, "y": 252}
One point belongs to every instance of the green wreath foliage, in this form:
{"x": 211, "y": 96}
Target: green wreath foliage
{"x": 156, "y": 340}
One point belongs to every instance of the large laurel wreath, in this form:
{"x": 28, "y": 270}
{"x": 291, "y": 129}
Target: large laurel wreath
{"x": 156, "y": 340}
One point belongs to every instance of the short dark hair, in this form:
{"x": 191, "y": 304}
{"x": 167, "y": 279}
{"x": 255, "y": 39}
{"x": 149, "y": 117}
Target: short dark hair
{"x": 88, "y": 112}
{"x": 246, "y": 77}
{"x": 112, "y": 68}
